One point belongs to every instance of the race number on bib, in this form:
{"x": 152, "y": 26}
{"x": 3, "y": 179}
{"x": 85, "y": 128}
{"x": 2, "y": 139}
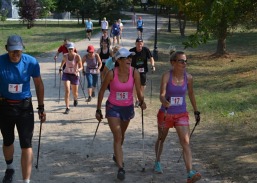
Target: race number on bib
{"x": 176, "y": 101}
{"x": 15, "y": 88}
{"x": 93, "y": 71}
{"x": 121, "y": 95}
{"x": 71, "y": 70}
{"x": 141, "y": 69}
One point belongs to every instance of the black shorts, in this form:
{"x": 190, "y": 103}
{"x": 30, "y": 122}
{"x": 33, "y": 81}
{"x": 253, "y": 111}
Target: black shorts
{"x": 140, "y": 29}
{"x": 102, "y": 67}
{"x": 20, "y": 114}
{"x": 143, "y": 79}
{"x": 89, "y": 30}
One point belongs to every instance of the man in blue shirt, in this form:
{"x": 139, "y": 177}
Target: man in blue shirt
{"x": 16, "y": 69}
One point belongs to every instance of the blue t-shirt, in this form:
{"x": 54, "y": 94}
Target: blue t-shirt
{"x": 140, "y": 24}
{"x": 15, "y": 77}
{"x": 89, "y": 25}
{"x": 109, "y": 63}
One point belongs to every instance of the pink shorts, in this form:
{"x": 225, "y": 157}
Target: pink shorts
{"x": 172, "y": 120}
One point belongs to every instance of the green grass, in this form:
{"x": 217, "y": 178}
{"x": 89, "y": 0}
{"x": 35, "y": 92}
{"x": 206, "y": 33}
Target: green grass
{"x": 44, "y": 36}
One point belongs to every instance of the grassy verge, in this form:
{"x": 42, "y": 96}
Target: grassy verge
{"x": 44, "y": 36}
{"x": 226, "y": 93}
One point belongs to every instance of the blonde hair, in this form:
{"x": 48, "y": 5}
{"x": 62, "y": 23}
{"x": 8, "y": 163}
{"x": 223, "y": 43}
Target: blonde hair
{"x": 115, "y": 49}
{"x": 174, "y": 54}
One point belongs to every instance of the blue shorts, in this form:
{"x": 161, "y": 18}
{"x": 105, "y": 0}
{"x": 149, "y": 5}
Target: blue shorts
{"x": 74, "y": 80}
{"x": 125, "y": 113}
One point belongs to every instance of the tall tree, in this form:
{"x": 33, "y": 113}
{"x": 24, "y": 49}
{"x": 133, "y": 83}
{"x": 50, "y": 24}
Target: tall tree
{"x": 28, "y": 11}
{"x": 219, "y": 18}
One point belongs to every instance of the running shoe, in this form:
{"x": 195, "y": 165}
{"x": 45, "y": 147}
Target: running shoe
{"x": 93, "y": 94}
{"x": 158, "y": 167}
{"x": 121, "y": 174}
{"x": 67, "y": 111}
{"x": 89, "y": 99}
{"x": 75, "y": 103}
{"x": 193, "y": 176}
{"x": 8, "y": 177}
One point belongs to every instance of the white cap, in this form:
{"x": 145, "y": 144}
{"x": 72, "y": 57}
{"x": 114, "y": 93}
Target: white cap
{"x": 123, "y": 52}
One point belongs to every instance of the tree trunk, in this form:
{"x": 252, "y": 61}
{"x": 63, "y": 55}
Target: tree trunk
{"x": 182, "y": 23}
{"x": 221, "y": 47}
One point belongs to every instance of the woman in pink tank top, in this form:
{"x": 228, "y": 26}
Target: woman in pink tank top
{"x": 173, "y": 113}
{"x": 70, "y": 75}
{"x": 119, "y": 106}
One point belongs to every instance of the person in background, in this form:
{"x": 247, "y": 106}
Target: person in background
{"x": 70, "y": 75}
{"x": 140, "y": 25}
{"x": 134, "y": 18}
{"x": 105, "y": 38}
{"x": 104, "y": 24}
{"x": 175, "y": 84}
{"x": 63, "y": 49}
{"x": 121, "y": 27}
{"x": 140, "y": 62}
{"x": 105, "y": 53}
{"x": 16, "y": 109}
{"x": 119, "y": 106}
{"x": 93, "y": 64}
{"x": 115, "y": 33}
{"x": 89, "y": 28}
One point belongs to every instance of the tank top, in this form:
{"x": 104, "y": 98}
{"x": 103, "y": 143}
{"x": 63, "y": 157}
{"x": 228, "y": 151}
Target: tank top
{"x": 121, "y": 94}
{"x": 104, "y": 56}
{"x": 71, "y": 65}
{"x": 176, "y": 96}
{"x": 92, "y": 65}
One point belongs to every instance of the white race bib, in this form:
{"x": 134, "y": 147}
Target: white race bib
{"x": 176, "y": 101}
{"x": 93, "y": 71}
{"x": 121, "y": 95}
{"x": 15, "y": 88}
{"x": 71, "y": 70}
{"x": 141, "y": 69}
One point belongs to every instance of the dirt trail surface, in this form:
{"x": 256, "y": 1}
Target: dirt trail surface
{"x": 66, "y": 139}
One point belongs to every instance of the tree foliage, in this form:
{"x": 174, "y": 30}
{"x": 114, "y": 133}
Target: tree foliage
{"x": 217, "y": 19}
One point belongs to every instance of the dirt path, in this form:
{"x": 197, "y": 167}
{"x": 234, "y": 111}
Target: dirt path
{"x": 66, "y": 139}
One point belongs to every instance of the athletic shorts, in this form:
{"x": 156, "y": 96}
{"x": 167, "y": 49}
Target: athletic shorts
{"x": 172, "y": 120}
{"x": 140, "y": 29}
{"x": 102, "y": 67}
{"x": 125, "y": 113}
{"x": 20, "y": 114}
{"x": 143, "y": 79}
{"x": 74, "y": 80}
{"x": 89, "y": 30}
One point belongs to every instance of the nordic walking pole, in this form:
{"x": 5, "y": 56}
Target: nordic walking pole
{"x": 160, "y": 137}
{"x": 60, "y": 86}
{"x": 196, "y": 123}
{"x": 38, "y": 149}
{"x": 151, "y": 93}
{"x": 55, "y": 73}
{"x": 82, "y": 88}
{"x": 91, "y": 146}
{"x": 143, "y": 138}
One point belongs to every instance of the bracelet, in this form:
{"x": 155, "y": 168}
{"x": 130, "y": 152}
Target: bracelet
{"x": 99, "y": 111}
{"x": 197, "y": 113}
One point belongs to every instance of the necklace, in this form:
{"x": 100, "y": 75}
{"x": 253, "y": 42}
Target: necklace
{"x": 178, "y": 81}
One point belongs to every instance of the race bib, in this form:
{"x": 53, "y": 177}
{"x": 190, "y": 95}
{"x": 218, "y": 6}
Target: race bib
{"x": 15, "y": 88}
{"x": 71, "y": 70}
{"x": 93, "y": 71}
{"x": 121, "y": 95}
{"x": 176, "y": 101}
{"x": 141, "y": 69}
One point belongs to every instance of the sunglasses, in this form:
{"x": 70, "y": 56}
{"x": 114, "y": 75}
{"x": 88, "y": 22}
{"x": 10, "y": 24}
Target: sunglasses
{"x": 128, "y": 57}
{"x": 70, "y": 49}
{"x": 182, "y": 61}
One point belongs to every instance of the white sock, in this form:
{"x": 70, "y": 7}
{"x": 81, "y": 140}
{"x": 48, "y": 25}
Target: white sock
{"x": 26, "y": 181}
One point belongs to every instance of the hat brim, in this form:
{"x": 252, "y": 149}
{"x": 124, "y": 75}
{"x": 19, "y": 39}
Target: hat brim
{"x": 12, "y": 48}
